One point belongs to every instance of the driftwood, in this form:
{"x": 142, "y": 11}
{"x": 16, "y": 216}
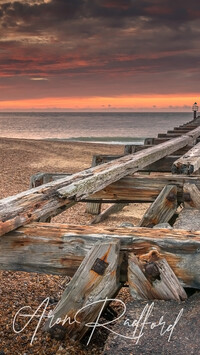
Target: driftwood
{"x": 116, "y": 207}
{"x": 188, "y": 163}
{"x": 40, "y": 201}
{"x": 60, "y": 249}
{"x": 81, "y": 303}
{"x": 150, "y": 277}
{"x": 162, "y": 209}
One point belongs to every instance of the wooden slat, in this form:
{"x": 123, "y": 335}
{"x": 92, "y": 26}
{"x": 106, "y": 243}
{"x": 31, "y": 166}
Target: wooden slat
{"x": 188, "y": 163}
{"x": 162, "y": 209}
{"x": 162, "y": 165}
{"x": 95, "y": 280}
{"x": 150, "y": 277}
{"x": 116, "y": 207}
{"x": 60, "y": 249}
{"x": 136, "y": 188}
{"x": 178, "y": 152}
{"x": 146, "y": 189}
{"x": 38, "y": 202}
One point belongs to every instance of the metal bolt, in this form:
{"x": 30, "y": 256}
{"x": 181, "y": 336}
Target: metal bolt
{"x": 99, "y": 266}
{"x": 171, "y": 197}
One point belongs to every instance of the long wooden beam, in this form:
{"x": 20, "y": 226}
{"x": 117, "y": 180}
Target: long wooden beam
{"x": 162, "y": 165}
{"x": 60, "y": 249}
{"x": 189, "y": 163}
{"x": 136, "y": 188}
{"x": 33, "y": 204}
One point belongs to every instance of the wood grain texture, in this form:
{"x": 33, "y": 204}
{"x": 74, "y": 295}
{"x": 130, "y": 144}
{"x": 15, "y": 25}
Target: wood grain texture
{"x": 188, "y": 163}
{"x": 162, "y": 209}
{"x": 95, "y": 280}
{"x": 134, "y": 188}
{"x": 59, "y": 249}
{"x": 150, "y": 277}
{"x": 191, "y": 195}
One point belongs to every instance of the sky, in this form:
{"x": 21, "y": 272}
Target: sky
{"x": 132, "y": 55}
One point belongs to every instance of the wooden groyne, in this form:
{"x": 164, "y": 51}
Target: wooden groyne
{"x": 156, "y": 263}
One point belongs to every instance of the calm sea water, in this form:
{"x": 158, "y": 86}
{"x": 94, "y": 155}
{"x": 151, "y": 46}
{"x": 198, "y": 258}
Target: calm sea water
{"x": 93, "y": 126}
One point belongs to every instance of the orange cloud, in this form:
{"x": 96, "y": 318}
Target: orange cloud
{"x": 147, "y": 102}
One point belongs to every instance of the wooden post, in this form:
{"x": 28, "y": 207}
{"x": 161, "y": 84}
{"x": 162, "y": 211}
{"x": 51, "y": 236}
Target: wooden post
{"x": 92, "y": 207}
{"x": 188, "y": 163}
{"x": 150, "y": 277}
{"x": 162, "y": 209}
{"x": 191, "y": 196}
{"x": 82, "y": 302}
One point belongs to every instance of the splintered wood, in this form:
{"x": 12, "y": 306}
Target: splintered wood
{"x": 150, "y": 277}
{"x": 162, "y": 209}
{"x": 83, "y": 299}
{"x": 189, "y": 163}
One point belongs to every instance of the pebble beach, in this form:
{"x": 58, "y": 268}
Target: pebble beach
{"x": 20, "y": 159}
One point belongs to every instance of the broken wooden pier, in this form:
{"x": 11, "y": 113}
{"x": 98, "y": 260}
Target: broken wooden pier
{"x": 156, "y": 263}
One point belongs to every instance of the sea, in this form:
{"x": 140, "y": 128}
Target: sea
{"x": 101, "y": 127}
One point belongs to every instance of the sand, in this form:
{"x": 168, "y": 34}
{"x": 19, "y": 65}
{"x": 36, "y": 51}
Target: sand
{"x": 19, "y": 160}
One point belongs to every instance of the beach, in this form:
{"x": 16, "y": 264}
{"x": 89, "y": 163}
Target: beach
{"x": 20, "y": 159}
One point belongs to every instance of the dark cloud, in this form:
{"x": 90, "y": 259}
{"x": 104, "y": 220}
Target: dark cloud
{"x": 110, "y": 45}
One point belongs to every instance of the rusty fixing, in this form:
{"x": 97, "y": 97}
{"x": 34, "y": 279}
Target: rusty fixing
{"x": 99, "y": 266}
{"x": 171, "y": 197}
{"x": 187, "y": 197}
{"x": 151, "y": 271}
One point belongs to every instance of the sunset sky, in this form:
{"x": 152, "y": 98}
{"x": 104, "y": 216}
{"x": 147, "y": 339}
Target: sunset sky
{"x": 129, "y": 55}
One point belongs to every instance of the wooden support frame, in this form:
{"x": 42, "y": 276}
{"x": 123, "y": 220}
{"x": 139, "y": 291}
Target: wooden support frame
{"x": 136, "y": 188}
{"x": 150, "y": 277}
{"x": 96, "y": 279}
{"x": 33, "y": 204}
{"x": 162, "y": 209}
{"x": 189, "y": 163}
{"x": 191, "y": 195}
{"x": 60, "y": 249}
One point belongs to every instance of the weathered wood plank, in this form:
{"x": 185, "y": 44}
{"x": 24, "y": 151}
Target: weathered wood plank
{"x": 150, "y": 277}
{"x": 116, "y": 207}
{"x": 95, "y": 280}
{"x": 188, "y": 163}
{"x": 162, "y": 209}
{"x": 169, "y": 135}
{"x": 178, "y": 152}
{"x": 162, "y": 165}
{"x": 60, "y": 249}
{"x": 33, "y": 204}
{"x": 92, "y": 207}
{"x": 191, "y": 195}
{"x": 137, "y": 188}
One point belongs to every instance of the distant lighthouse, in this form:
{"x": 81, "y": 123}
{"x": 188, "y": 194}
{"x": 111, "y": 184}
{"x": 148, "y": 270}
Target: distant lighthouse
{"x": 195, "y": 109}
